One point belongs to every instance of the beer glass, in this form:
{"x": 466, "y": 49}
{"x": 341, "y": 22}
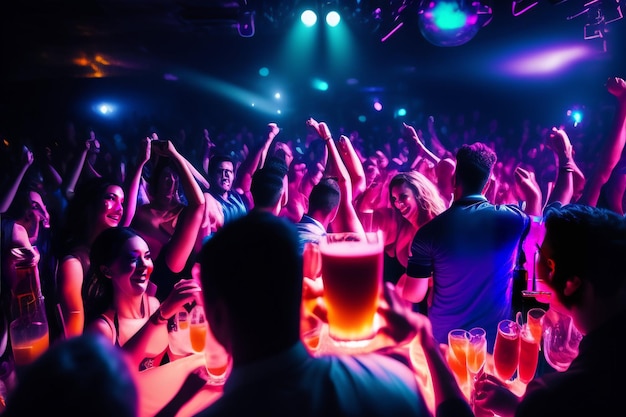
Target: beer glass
{"x": 352, "y": 269}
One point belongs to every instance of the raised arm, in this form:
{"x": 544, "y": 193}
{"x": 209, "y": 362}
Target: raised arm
{"x": 612, "y": 149}
{"x": 346, "y": 219}
{"x": 417, "y": 147}
{"x": 563, "y": 189}
{"x": 135, "y": 181}
{"x": 74, "y": 176}
{"x": 182, "y": 242}
{"x": 353, "y": 165}
{"x": 8, "y": 196}
{"x": 254, "y": 160}
{"x": 529, "y": 190}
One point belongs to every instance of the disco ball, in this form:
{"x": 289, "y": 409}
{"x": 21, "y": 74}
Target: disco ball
{"x": 448, "y": 22}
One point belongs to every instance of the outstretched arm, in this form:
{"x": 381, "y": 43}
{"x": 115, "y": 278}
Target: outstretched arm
{"x": 346, "y": 219}
{"x": 353, "y": 165}
{"x": 417, "y": 147}
{"x": 254, "y": 160}
{"x": 182, "y": 242}
{"x": 135, "y": 180}
{"x": 563, "y": 189}
{"x": 78, "y": 169}
{"x": 613, "y": 147}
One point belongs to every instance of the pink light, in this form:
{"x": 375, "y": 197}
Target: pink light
{"x": 378, "y": 106}
{"x": 547, "y": 61}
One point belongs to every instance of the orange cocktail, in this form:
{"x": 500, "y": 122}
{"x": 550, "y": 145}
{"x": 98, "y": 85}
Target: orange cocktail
{"x": 458, "y": 343}
{"x": 352, "y": 267}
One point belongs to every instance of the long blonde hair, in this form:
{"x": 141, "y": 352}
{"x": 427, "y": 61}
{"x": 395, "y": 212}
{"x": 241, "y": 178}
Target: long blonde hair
{"x": 427, "y": 194}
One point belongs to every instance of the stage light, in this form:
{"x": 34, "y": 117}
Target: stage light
{"x": 452, "y": 22}
{"x": 332, "y": 18}
{"x": 308, "y": 17}
{"x": 575, "y": 115}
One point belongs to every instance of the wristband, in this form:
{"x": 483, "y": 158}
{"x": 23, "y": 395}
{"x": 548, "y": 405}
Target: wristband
{"x": 157, "y": 317}
{"x": 328, "y": 138}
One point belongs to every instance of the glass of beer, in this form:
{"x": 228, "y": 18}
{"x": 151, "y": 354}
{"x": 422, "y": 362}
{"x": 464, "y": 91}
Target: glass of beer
{"x": 352, "y": 269}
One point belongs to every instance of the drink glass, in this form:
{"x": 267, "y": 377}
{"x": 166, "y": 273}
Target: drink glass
{"x": 528, "y": 354}
{"x": 534, "y": 319}
{"x": 311, "y": 260}
{"x": 182, "y": 320}
{"x": 311, "y": 329}
{"x": 29, "y": 339}
{"x": 197, "y": 329}
{"x": 506, "y": 350}
{"x": 352, "y": 268}
{"x": 217, "y": 360}
{"x": 458, "y": 343}
{"x": 476, "y": 357}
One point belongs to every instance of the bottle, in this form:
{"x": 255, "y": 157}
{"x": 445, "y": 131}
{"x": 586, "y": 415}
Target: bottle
{"x": 520, "y": 282}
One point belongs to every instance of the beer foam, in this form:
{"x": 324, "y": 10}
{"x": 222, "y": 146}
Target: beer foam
{"x": 350, "y": 249}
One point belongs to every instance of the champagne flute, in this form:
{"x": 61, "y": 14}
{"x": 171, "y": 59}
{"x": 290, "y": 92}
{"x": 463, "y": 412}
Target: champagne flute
{"x": 534, "y": 319}
{"x": 506, "y": 350}
{"x": 528, "y": 354}
{"x": 476, "y": 357}
{"x": 458, "y": 342}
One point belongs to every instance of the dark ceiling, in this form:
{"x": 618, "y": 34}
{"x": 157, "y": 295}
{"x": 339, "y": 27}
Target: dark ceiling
{"x": 54, "y": 41}
{"x": 48, "y": 38}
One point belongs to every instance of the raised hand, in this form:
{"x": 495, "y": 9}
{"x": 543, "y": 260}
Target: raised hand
{"x": 529, "y": 190}
{"x": 27, "y": 157}
{"x": 559, "y": 143}
{"x": 617, "y": 87}
{"x": 272, "y": 129}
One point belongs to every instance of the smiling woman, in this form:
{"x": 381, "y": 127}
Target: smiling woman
{"x": 96, "y": 206}
{"x": 118, "y": 303}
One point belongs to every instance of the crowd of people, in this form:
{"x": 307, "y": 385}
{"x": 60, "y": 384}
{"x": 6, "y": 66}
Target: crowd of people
{"x": 125, "y": 245}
